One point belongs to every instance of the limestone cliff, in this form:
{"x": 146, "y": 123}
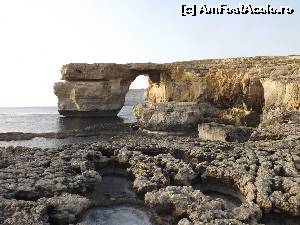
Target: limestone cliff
{"x": 97, "y": 89}
{"x": 238, "y": 91}
{"x": 92, "y": 89}
{"x": 234, "y": 91}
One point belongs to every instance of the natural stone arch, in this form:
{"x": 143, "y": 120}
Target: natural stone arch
{"x": 99, "y": 89}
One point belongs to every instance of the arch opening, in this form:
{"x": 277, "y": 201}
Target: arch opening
{"x": 136, "y": 94}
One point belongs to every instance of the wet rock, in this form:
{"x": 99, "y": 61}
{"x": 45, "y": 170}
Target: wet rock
{"x": 113, "y": 126}
{"x": 15, "y": 136}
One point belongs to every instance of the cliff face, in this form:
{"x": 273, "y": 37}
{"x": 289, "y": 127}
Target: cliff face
{"x": 238, "y": 91}
{"x": 234, "y": 91}
{"x": 92, "y": 90}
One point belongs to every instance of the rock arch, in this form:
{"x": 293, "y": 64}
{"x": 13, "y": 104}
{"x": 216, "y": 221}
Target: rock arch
{"x": 99, "y": 89}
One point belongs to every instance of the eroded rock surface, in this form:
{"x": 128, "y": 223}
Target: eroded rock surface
{"x": 52, "y": 186}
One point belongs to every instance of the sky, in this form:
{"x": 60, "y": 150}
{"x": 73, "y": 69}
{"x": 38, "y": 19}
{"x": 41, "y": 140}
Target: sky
{"x": 39, "y": 36}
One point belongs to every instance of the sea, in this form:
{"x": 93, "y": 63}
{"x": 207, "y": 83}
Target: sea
{"x": 47, "y": 119}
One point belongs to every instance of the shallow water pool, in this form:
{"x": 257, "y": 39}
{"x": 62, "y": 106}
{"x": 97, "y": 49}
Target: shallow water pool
{"x": 116, "y": 215}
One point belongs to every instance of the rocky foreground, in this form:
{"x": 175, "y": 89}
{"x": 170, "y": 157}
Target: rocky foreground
{"x": 173, "y": 177}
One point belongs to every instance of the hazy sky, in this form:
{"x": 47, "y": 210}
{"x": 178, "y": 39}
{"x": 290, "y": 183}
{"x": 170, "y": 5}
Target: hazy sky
{"x": 39, "y": 36}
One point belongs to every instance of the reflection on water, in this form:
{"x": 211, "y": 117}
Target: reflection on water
{"x": 47, "y": 119}
{"x": 71, "y": 123}
{"x": 117, "y": 200}
{"x": 116, "y": 215}
{"x": 113, "y": 189}
{"x": 113, "y": 186}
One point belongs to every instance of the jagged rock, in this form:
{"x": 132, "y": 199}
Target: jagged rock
{"x": 63, "y": 209}
{"x": 221, "y": 132}
{"x": 14, "y": 212}
{"x": 29, "y": 175}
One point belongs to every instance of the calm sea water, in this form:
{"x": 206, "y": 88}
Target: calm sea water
{"x": 47, "y": 119}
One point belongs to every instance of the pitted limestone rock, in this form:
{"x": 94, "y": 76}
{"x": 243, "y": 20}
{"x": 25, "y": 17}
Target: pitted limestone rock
{"x": 200, "y": 209}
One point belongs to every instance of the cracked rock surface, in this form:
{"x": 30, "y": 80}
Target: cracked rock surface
{"x": 176, "y": 177}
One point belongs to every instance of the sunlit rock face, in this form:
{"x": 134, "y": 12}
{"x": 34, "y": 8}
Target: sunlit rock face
{"x": 238, "y": 90}
{"x": 91, "y": 98}
{"x": 92, "y": 89}
{"x": 220, "y": 132}
{"x": 97, "y": 89}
